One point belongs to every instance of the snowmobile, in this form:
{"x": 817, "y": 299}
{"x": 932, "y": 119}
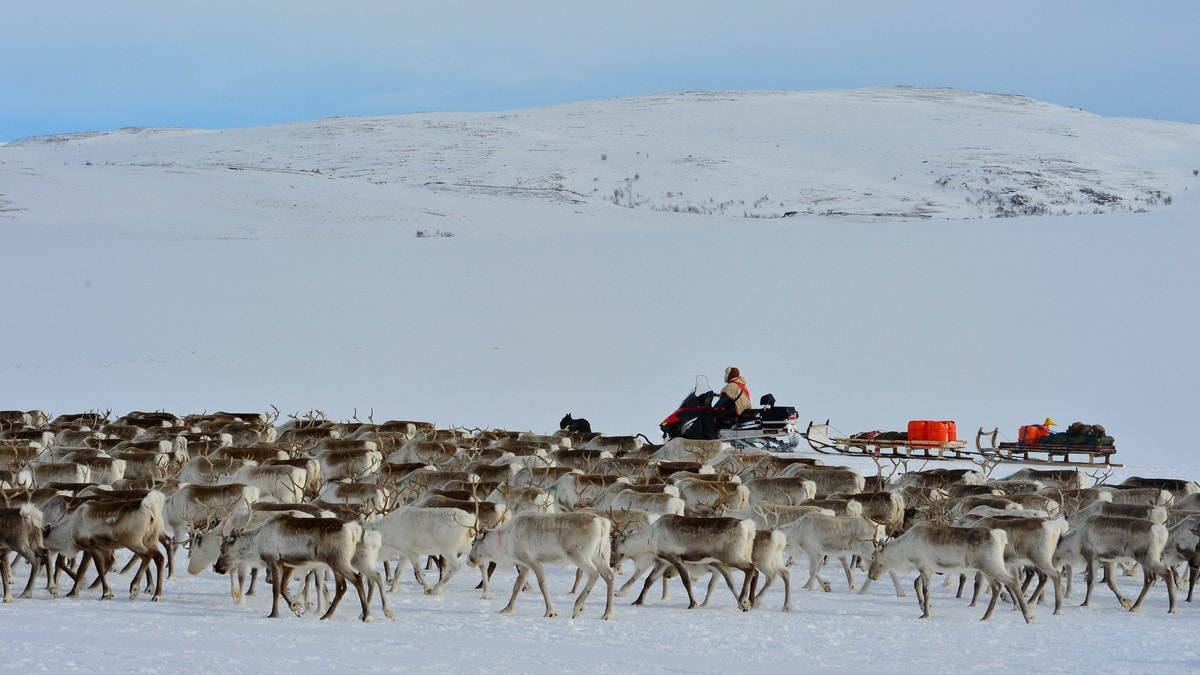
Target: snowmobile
{"x": 768, "y": 427}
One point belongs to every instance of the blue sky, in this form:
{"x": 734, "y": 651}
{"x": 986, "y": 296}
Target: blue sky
{"x": 72, "y": 65}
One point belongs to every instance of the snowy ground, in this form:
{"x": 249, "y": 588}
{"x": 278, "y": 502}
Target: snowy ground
{"x": 198, "y": 629}
{"x": 164, "y": 274}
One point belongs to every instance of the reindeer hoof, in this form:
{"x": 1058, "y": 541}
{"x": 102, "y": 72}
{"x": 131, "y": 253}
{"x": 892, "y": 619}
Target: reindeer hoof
{"x": 390, "y": 614}
{"x": 826, "y": 586}
{"x": 8, "y": 599}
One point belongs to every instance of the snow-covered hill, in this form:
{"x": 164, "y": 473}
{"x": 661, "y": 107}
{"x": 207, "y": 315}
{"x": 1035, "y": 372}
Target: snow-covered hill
{"x": 874, "y": 154}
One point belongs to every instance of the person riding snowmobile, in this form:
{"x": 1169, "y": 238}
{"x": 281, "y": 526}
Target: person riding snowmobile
{"x": 734, "y": 398}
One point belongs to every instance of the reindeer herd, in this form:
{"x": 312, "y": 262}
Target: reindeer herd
{"x": 310, "y": 500}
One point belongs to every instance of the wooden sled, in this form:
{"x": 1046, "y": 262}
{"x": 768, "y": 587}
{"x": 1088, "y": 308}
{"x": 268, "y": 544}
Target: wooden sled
{"x": 1045, "y": 453}
{"x": 819, "y": 439}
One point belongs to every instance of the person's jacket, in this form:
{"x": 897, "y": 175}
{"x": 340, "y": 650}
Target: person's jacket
{"x": 735, "y": 390}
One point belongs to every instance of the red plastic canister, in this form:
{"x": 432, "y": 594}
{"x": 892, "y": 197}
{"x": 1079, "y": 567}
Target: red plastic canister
{"x": 951, "y": 430}
{"x": 937, "y": 431}
{"x": 917, "y": 430}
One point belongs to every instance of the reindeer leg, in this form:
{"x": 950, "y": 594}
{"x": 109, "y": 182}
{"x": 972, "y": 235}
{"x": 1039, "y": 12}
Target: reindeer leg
{"x": 639, "y": 568}
{"x": 975, "y": 591}
{"x": 102, "y": 569}
{"x": 712, "y": 582}
{"x": 159, "y": 559}
{"x": 376, "y": 581}
{"x": 686, "y": 579}
{"x": 1089, "y": 576}
{"x": 744, "y": 597}
{"x": 453, "y": 565}
{"x": 1173, "y": 608}
{"x": 787, "y": 588}
{"x": 1110, "y": 578}
{"x": 849, "y": 577}
{"x": 278, "y": 582}
{"x": 5, "y": 573}
{"x": 769, "y": 578}
{"x": 171, "y": 546}
{"x": 80, "y": 571}
{"x": 339, "y": 591}
{"x": 387, "y": 573}
{"x": 593, "y": 574}
{"x": 235, "y": 589}
{"x": 34, "y": 562}
{"x": 994, "y": 586}
{"x": 815, "y": 561}
{"x": 253, "y": 580}
{"x": 921, "y": 587}
{"x": 137, "y": 576}
{"x": 522, "y": 571}
{"x": 1019, "y": 598}
{"x": 659, "y": 567}
{"x": 610, "y": 579}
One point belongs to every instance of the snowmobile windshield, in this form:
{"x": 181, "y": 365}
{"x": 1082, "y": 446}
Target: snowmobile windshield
{"x": 700, "y": 397}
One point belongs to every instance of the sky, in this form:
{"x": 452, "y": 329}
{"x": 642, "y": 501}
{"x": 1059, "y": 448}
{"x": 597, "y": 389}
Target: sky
{"x": 74, "y": 65}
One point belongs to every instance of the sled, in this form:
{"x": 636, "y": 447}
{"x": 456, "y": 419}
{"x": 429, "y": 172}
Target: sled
{"x": 1099, "y": 456}
{"x": 819, "y": 440}
{"x": 1045, "y": 453}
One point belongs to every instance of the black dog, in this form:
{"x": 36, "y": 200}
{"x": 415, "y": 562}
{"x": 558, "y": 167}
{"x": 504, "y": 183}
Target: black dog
{"x": 578, "y": 426}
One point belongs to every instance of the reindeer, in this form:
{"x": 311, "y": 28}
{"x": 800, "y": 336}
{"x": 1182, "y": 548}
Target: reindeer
{"x": 1111, "y": 539}
{"x": 21, "y": 533}
{"x": 99, "y": 527}
{"x": 286, "y": 543}
{"x": 929, "y": 548}
{"x": 530, "y": 539}
{"x": 678, "y": 540}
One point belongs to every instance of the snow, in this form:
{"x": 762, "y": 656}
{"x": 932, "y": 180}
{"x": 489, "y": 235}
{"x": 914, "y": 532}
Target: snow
{"x": 194, "y": 270}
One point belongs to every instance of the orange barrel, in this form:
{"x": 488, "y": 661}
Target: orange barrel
{"x": 937, "y": 431}
{"x": 917, "y": 430}
{"x": 951, "y": 430}
{"x": 1033, "y": 433}
{"x": 1025, "y": 435}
